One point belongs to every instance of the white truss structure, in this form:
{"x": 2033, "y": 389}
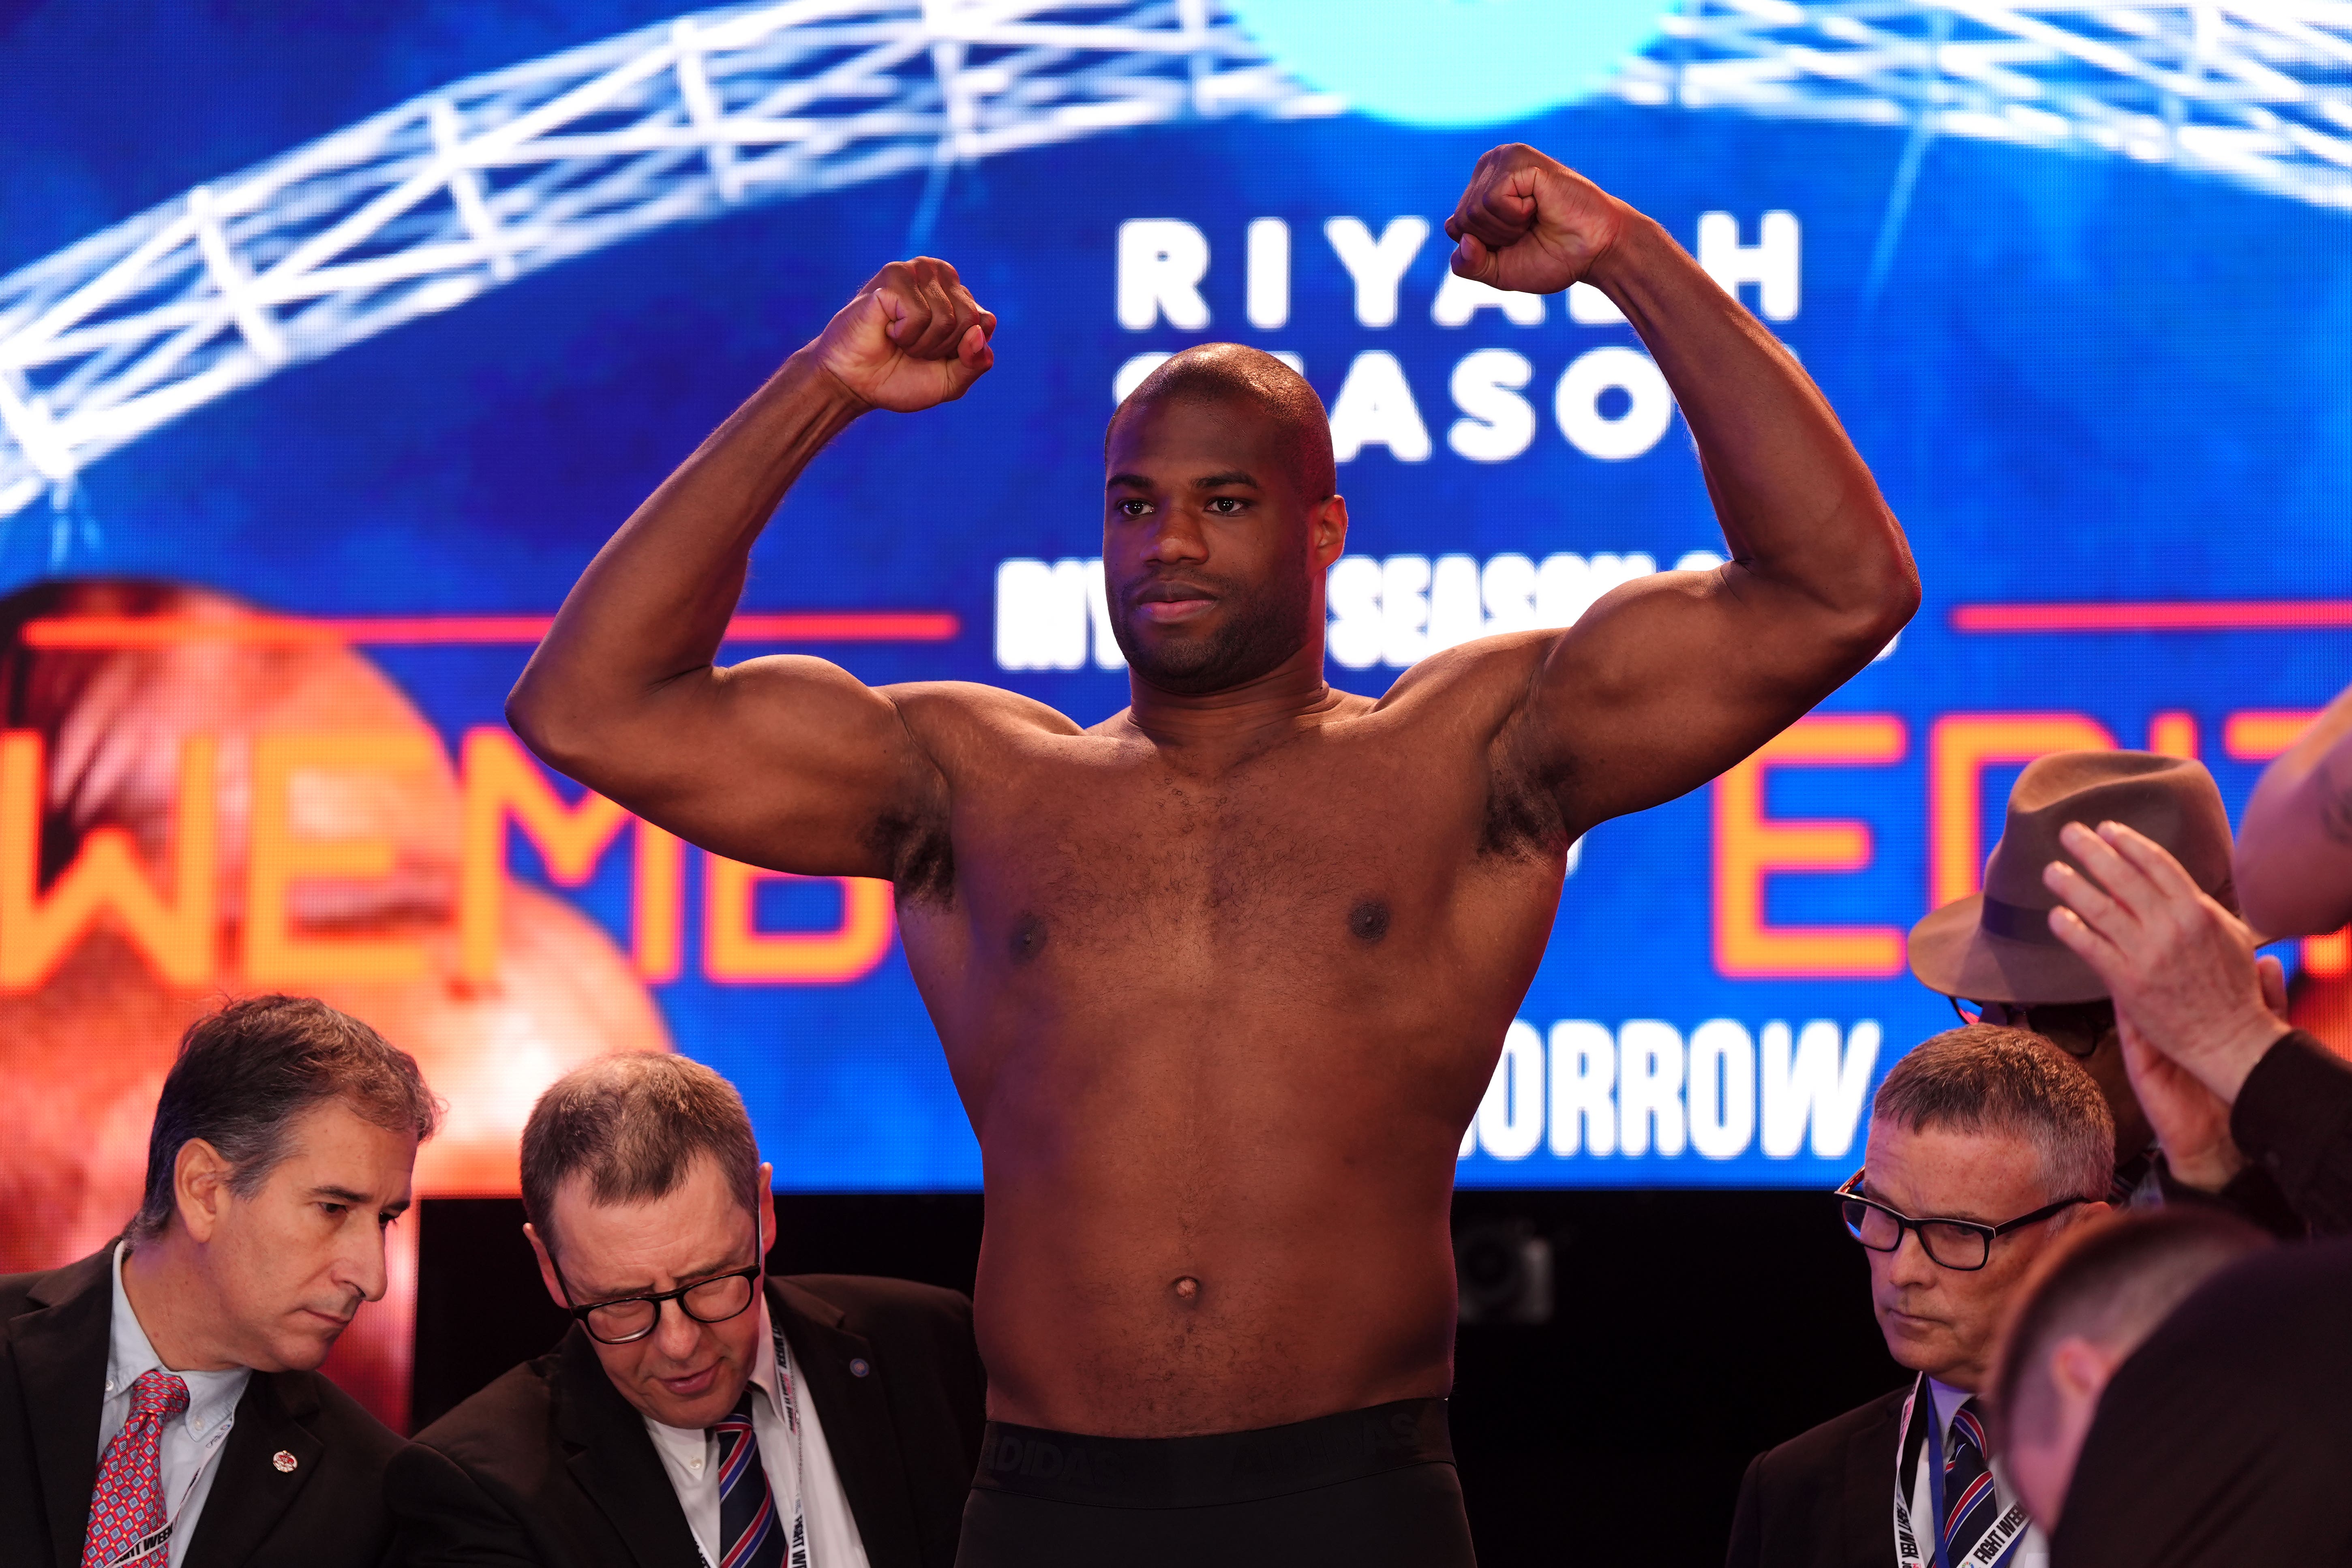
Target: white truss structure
{"x": 427, "y": 206}
{"x": 2258, "y": 92}
{"x": 423, "y": 207}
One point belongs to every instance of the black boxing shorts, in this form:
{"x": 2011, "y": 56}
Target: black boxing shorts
{"x": 1365, "y": 1488}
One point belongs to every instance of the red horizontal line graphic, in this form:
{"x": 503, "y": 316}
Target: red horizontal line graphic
{"x": 2187, "y": 615}
{"x": 441, "y": 631}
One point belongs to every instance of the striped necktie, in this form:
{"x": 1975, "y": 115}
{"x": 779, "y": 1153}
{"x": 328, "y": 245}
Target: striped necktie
{"x": 127, "y": 1505}
{"x": 750, "y": 1533}
{"x": 1971, "y": 1509}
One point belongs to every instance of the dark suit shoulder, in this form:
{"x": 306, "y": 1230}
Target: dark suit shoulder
{"x": 874, "y": 1300}
{"x": 1827, "y": 1444}
{"x": 504, "y": 1422}
{"x": 340, "y": 1422}
{"x": 1824, "y": 1498}
{"x": 895, "y": 1316}
{"x": 16, "y": 1293}
{"x": 22, "y": 1293}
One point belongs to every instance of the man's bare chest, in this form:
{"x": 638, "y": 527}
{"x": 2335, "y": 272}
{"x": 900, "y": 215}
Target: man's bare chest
{"x": 1323, "y": 848}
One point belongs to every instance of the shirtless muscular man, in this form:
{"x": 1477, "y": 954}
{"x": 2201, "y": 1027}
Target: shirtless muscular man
{"x": 1222, "y": 978}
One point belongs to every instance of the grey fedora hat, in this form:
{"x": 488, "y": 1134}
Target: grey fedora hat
{"x": 1997, "y": 945}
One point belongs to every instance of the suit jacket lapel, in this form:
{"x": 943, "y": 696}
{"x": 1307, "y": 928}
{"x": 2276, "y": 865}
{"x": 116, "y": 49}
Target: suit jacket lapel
{"x": 612, "y": 1456}
{"x": 251, "y": 1492}
{"x": 60, "y": 1354}
{"x": 1875, "y": 1472}
{"x": 855, "y": 1414}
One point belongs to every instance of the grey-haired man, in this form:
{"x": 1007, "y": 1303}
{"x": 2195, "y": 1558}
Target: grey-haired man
{"x": 1986, "y": 1144}
{"x": 160, "y": 1402}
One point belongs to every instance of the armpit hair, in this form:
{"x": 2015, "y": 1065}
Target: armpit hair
{"x": 921, "y": 857}
{"x": 1524, "y": 819}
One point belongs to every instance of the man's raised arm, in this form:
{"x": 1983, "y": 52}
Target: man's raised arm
{"x": 2294, "y": 846}
{"x": 788, "y": 761}
{"x": 1669, "y": 680}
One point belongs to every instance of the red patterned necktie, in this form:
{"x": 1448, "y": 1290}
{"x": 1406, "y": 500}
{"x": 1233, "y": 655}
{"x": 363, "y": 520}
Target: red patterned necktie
{"x": 127, "y": 1505}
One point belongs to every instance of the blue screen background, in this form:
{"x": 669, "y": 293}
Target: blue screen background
{"x": 2075, "y": 378}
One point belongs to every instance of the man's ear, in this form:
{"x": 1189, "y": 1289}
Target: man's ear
{"x": 2079, "y": 1369}
{"x": 1328, "y": 529}
{"x": 200, "y": 1188}
{"x": 546, "y": 1266}
{"x": 766, "y": 1211}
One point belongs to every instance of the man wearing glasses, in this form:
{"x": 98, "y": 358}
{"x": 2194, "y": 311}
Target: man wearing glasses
{"x": 1985, "y": 1145}
{"x": 699, "y": 1411}
{"x": 1996, "y": 956}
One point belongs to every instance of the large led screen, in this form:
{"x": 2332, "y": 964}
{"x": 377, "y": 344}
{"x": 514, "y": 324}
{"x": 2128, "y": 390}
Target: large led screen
{"x": 334, "y": 341}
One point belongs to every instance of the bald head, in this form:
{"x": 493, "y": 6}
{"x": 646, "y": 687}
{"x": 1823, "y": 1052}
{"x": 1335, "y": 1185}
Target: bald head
{"x": 1257, "y": 385}
{"x": 1219, "y": 518}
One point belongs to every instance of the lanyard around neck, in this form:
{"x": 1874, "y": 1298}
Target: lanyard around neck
{"x": 796, "y": 1547}
{"x": 2000, "y": 1542}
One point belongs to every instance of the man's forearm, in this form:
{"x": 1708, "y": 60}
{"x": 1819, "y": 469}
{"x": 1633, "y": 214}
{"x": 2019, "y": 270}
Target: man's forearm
{"x": 1797, "y": 505}
{"x": 2295, "y": 1116}
{"x": 656, "y": 600}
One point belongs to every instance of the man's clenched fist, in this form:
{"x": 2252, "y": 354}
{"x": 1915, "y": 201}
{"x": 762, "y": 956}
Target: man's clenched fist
{"x": 1531, "y": 224}
{"x": 913, "y": 338}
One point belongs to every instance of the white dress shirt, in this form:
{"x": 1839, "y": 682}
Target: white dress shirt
{"x": 2033, "y": 1547}
{"x": 192, "y": 1442}
{"x": 691, "y": 1457}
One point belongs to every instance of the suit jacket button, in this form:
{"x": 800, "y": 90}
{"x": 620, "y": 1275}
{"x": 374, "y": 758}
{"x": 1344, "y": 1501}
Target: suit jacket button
{"x": 283, "y": 1461}
{"x": 858, "y": 1367}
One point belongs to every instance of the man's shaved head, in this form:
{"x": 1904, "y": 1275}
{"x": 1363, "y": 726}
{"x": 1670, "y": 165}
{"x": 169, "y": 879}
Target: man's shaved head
{"x": 2088, "y": 1304}
{"x": 1272, "y": 392}
{"x": 1219, "y": 516}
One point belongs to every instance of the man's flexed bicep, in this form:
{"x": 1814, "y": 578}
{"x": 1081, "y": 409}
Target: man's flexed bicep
{"x": 788, "y": 762}
{"x": 785, "y": 763}
{"x": 1669, "y": 680}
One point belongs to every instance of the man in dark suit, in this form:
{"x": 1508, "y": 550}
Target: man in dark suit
{"x": 698, "y": 1411}
{"x": 159, "y": 1400}
{"x": 2089, "y": 1305}
{"x": 1986, "y": 1143}
{"x": 2221, "y": 1441}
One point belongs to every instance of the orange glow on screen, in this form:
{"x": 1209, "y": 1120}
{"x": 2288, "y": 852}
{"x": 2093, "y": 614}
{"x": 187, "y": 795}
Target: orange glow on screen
{"x": 1751, "y": 845}
{"x": 1959, "y": 748}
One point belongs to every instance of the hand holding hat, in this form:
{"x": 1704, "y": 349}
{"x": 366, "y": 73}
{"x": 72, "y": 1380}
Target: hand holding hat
{"x": 2191, "y": 1122}
{"x": 2180, "y": 967}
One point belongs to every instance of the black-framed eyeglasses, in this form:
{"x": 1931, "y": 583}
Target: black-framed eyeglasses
{"x": 628, "y": 1319}
{"x": 1965, "y": 1245}
{"x": 2075, "y": 1027}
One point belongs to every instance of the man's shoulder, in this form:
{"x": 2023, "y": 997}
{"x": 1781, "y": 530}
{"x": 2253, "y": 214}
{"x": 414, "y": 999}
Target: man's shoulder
{"x": 16, "y": 1292}
{"x": 970, "y": 711}
{"x": 39, "y": 1288}
{"x": 1821, "y": 1499}
{"x": 866, "y": 1304}
{"x": 1826, "y": 1447}
{"x": 347, "y": 1427}
{"x": 502, "y": 1424}
{"x": 1496, "y": 667}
